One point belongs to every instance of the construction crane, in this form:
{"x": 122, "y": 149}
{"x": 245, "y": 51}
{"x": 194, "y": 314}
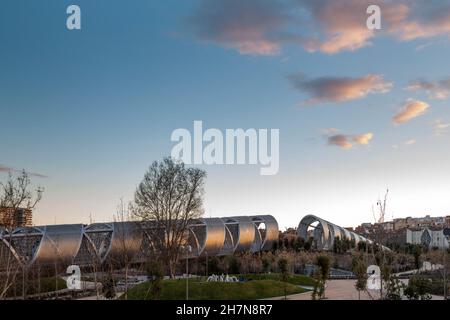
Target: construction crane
{"x": 381, "y": 205}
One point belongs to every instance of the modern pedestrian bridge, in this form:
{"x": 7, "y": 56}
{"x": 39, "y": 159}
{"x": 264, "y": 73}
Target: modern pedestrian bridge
{"x": 80, "y": 244}
{"x": 101, "y": 242}
{"x": 324, "y": 233}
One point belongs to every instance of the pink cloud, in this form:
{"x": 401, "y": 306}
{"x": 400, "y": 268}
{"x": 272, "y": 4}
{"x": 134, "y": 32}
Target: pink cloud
{"x": 363, "y": 139}
{"x": 435, "y": 89}
{"x": 412, "y": 109}
{"x": 246, "y": 26}
{"x": 347, "y": 142}
{"x": 340, "y": 89}
{"x": 263, "y": 27}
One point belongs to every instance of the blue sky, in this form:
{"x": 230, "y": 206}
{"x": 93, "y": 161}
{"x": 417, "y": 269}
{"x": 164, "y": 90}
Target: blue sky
{"x": 91, "y": 109}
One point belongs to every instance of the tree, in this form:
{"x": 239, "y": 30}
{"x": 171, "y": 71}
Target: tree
{"x": 418, "y": 288}
{"x": 360, "y": 271}
{"x": 108, "y": 288}
{"x": 266, "y": 263}
{"x": 169, "y": 197}
{"x": 234, "y": 264}
{"x": 319, "y": 286}
{"x": 417, "y": 252}
{"x": 283, "y": 266}
{"x": 321, "y": 276}
{"x": 394, "y": 288}
{"x": 155, "y": 273}
{"x": 127, "y": 235}
{"x": 17, "y": 192}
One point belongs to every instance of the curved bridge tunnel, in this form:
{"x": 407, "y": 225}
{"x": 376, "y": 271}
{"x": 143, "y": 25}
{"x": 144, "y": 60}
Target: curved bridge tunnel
{"x": 116, "y": 241}
{"x": 99, "y": 242}
{"x": 324, "y": 233}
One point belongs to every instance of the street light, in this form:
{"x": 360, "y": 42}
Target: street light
{"x": 206, "y": 264}
{"x": 188, "y": 250}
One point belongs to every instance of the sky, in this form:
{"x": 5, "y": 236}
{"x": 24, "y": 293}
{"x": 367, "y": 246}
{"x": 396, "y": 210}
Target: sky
{"x": 86, "y": 112}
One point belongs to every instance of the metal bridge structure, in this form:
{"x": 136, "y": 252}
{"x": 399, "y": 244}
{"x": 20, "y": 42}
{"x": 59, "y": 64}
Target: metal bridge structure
{"x": 83, "y": 245}
{"x": 324, "y": 233}
{"x": 80, "y": 244}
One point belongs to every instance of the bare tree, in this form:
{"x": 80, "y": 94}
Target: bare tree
{"x": 379, "y": 238}
{"x": 127, "y": 233}
{"x": 15, "y": 193}
{"x": 381, "y": 205}
{"x": 169, "y": 197}
{"x": 9, "y": 268}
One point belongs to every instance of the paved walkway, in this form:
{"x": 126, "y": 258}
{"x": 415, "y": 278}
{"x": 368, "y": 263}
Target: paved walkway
{"x": 340, "y": 290}
{"x": 335, "y": 290}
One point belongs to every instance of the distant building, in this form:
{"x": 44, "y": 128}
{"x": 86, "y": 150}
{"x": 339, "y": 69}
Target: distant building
{"x": 430, "y": 237}
{"x": 403, "y": 223}
{"x": 11, "y": 218}
{"x": 388, "y": 226}
{"x": 409, "y": 230}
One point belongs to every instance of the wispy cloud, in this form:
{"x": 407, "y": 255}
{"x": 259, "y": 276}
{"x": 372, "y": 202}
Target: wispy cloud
{"x": 412, "y": 109}
{"x": 339, "y": 89}
{"x": 435, "y": 89}
{"x": 340, "y": 140}
{"x": 440, "y": 127}
{"x": 347, "y": 142}
{"x": 409, "y": 20}
{"x": 263, "y": 27}
{"x": 5, "y": 169}
{"x": 410, "y": 142}
{"x": 342, "y": 25}
{"x": 250, "y": 27}
{"x": 8, "y": 169}
{"x": 363, "y": 139}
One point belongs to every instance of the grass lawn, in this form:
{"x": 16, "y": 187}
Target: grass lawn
{"x": 201, "y": 290}
{"x": 35, "y": 286}
{"x": 296, "y": 279}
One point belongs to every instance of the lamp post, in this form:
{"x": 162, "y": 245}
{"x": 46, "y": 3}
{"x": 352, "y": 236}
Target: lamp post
{"x": 188, "y": 250}
{"x": 206, "y": 264}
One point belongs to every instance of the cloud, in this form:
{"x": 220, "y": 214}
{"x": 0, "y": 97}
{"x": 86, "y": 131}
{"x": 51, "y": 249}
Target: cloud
{"x": 342, "y": 25}
{"x": 412, "y": 109}
{"x": 435, "y": 89}
{"x": 249, "y": 27}
{"x": 263, "y": 27}
{"x": 330, "y": 131}
{"x": 11, "y": 169}
{"x": 363, "y": 139}
{"x": 339, "y": 89}
{"x": 347, "y": 142}
{"x": 340, "y": 140}
{"x": 410, "y": 20}
{"x": 5, "y": 169}
{"x": 410, "y": 142}
{"x": 440, "y": 127}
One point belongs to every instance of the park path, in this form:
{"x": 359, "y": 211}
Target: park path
{"x": 340, "y": 290}
{"x": 335, "y": 290}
